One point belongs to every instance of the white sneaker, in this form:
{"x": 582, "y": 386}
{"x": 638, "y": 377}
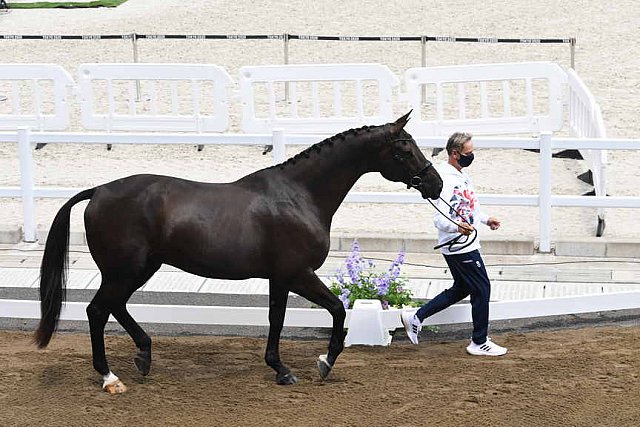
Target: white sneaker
{"x": 489, "y": 348}
{"x": 412, "y": 325}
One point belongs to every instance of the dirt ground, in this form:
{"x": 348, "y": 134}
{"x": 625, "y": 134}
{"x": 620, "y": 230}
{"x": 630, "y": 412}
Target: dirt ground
{"x": 571, "y": 377}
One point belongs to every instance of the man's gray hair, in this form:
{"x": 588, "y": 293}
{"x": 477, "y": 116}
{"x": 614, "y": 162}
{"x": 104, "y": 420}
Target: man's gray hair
{"x": 456, "y": 141}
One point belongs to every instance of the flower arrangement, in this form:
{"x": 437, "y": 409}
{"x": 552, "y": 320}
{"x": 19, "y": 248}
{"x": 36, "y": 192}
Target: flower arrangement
{"x": 361, "y": 282}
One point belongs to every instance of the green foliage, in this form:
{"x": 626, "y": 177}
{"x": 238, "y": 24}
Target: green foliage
{"x": 65, "y": 4}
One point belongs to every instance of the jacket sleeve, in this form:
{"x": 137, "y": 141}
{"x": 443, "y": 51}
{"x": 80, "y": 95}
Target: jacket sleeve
{"x": 482, "y": 217}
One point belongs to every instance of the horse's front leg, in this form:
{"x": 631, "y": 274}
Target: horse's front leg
{"x": 278, "y": 294}
{"x": 311, "y": 287}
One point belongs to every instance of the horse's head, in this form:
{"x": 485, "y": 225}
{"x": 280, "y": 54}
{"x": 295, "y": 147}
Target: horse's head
{"x": 402, "y": 161}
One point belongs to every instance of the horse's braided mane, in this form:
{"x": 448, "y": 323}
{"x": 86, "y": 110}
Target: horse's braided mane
{"x": 317, "y": 147}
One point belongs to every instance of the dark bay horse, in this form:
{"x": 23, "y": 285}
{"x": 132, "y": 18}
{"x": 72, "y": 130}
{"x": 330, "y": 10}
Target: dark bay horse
{"x": 272, "y": 224}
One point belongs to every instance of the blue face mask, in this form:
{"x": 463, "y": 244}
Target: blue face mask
{"x": 465, "y": 161}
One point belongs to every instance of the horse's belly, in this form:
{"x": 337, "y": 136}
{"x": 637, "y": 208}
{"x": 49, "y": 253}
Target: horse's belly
{"x": 223, "y": 265}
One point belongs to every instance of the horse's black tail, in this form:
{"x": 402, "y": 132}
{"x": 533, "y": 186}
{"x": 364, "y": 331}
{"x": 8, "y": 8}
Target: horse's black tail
{"x": 53, "y": 270}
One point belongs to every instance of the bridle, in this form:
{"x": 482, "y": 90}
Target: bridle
{"x": 415, "y": 181}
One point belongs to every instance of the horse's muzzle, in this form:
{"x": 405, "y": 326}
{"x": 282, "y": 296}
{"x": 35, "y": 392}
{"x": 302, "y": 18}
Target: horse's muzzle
{"x": 427, "y": 181}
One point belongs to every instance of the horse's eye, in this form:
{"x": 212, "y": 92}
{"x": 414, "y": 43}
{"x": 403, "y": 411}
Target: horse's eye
{"x": 402, "y": 155}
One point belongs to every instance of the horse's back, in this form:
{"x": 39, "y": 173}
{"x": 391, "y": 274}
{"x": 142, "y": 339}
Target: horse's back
{"x": 124, "y": 219}
{"x": 136, "y": 201}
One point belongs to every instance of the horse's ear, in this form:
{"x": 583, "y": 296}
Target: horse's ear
{"x": 401, "y": 122}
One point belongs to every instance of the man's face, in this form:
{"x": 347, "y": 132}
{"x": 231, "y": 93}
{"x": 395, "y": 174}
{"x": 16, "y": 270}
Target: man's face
{"x": 467, "y": 148}
{"x": 464, "y": 158}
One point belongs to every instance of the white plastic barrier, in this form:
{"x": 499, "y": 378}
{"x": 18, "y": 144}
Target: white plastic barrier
{"x": 154, "y": 97}
{"x": 585, "y": 121}
{"x": 323, "y": 98}
{"x": 34, "y": 95}
{"x": 486, "y": 99}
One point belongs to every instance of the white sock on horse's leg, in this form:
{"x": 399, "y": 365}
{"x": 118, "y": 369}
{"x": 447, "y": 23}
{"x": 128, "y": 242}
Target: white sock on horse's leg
{"x": 110, "y": 378}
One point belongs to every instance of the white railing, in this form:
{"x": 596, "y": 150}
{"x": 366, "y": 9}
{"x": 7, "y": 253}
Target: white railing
{"x": 319, "y": 318}
{"x": 545, "y": 200}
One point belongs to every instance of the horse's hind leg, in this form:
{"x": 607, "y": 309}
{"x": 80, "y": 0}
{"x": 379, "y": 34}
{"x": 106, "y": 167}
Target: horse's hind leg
{"x": 277, "y": 306}
{"x": 98, "y": 312}
{"x": 112, "y": 298}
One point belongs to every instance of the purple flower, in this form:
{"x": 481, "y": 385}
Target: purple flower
{"x": 344, "y": 297}
{"x": 394, "y": 270}
{"x": 382, "y": 284}
{"x": 355, "y": 263}
{"x": 360, "y": 279}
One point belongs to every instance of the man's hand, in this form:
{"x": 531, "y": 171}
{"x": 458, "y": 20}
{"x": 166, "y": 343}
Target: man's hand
{"x": 493, "y": 223}
{"x": 464, "y": 228}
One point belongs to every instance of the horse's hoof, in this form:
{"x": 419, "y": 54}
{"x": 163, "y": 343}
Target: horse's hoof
{"x": 323, "y": 366}
{"x": 116, "y": 387}
{"x": 143, "y": 364}
{"x": 286, "y": 379}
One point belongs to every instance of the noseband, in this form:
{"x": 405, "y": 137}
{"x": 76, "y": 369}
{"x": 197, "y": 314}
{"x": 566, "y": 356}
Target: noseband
{"x": 416, "y": 180}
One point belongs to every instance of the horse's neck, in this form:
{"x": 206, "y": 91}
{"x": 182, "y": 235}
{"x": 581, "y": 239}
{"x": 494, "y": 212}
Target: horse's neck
{"x": 328, "y": 175}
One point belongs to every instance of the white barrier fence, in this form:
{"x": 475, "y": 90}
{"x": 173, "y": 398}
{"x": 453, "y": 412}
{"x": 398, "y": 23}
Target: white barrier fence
{"x": 527, "y": 98}
{"x": 209, "y": 110}
{"x": 280, "y": 102}
{"x": 510, "y": 98}
{"x": 45, "y": 84}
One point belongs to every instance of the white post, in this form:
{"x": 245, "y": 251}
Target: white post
{"x": 26, "y": 184}
{"x": 423, "y": 63}
{"x": 286, "y": 61}
{"x": 134, "y": 41}
{"x": 279, "y": 148}
{"x": 572, "y": 45}
{"x": 544, "y": 202}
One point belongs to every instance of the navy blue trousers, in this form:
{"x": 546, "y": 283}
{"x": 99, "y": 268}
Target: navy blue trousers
{"x": 469, "y": 278}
